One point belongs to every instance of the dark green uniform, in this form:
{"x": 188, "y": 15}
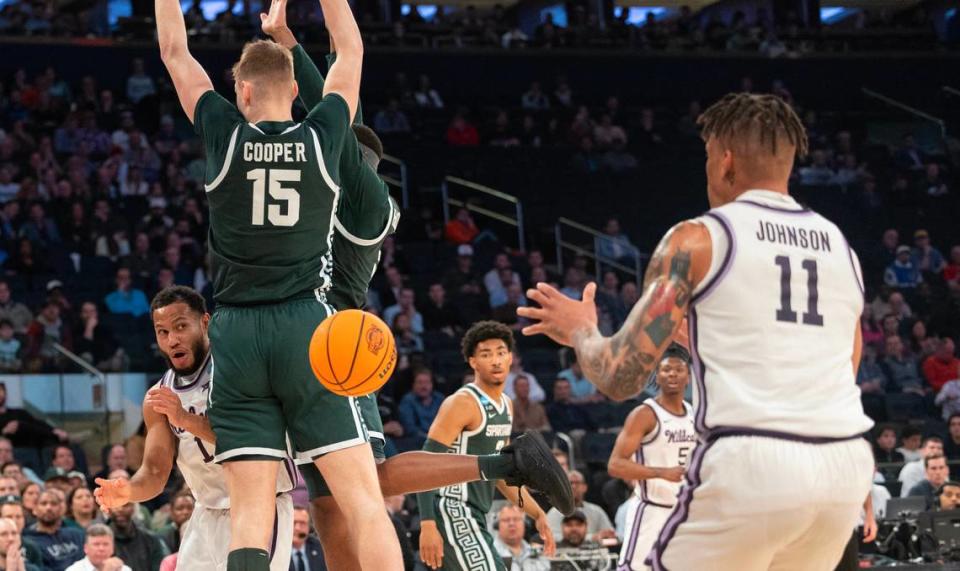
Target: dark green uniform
{"x": 461, "y": 510}
{"x": 365, "y": 216}
{"x": 273, "y": 190}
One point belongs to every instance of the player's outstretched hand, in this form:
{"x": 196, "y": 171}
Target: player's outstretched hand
{"x": 546, "y": 534}
{"x": 431, "y": 545}
{"x": 274, "y": 21}
{"x": 559, "y": 316}
{"x": 166, "y": 402}
{"x": 112, "y": 493}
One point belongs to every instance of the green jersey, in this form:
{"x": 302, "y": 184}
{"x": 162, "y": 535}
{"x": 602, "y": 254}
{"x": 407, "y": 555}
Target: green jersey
{"x": 273, "y": 190}
{"x": 366, "y": 214}
{"x": 488, "y": 438}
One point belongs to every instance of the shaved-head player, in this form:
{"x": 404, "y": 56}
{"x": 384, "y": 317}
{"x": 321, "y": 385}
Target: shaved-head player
{"x": 774, "y": 295}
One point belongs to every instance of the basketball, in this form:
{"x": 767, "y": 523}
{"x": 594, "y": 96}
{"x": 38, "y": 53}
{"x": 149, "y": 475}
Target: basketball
{"x": 353, "y": 353}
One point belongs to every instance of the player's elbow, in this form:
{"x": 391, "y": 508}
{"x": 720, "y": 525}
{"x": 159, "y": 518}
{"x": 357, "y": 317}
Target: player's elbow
{"x": 170, "y": 51}
{"x": 615, "y": 467}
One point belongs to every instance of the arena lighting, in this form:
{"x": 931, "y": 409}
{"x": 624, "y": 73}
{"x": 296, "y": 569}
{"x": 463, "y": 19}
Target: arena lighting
{"x": 833, "y": 14}
{"x": 211, "y": 8}
{"x": 637, "y": 15}
{"x": 426, "y": 11}
{"x": 559, "y": 13}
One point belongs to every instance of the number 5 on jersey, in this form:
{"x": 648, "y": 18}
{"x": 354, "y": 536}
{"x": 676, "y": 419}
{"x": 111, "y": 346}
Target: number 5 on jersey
{"x": 285, "y": 196}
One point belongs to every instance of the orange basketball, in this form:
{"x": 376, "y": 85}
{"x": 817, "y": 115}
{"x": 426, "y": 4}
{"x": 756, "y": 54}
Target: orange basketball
{"x": 353, "y": 353}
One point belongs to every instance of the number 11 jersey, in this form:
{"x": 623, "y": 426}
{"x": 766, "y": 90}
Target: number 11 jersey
{"x": 772, "y": 324}
{"x": 204, "y": 477}
{"x": 273, "y": 189}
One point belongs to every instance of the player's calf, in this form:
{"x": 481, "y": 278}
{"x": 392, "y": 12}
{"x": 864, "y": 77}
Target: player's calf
{"x": 338, "y": 550}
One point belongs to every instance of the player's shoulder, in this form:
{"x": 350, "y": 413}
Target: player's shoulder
{"x": 332, "y": 108}
{"x": 641, "y": 414}
{"x": 213, "y": 107}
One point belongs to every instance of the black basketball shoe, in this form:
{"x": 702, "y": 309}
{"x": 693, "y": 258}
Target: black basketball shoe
{"x": 536, "y": 468}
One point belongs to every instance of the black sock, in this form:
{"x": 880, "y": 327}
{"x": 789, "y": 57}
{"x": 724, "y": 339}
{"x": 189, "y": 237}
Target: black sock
{"x": 248, "y": 559}
{"x": 495, "y": 466}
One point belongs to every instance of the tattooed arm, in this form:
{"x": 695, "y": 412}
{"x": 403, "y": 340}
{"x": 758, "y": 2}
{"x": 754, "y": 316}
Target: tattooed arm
{"x": 619, "y": 365}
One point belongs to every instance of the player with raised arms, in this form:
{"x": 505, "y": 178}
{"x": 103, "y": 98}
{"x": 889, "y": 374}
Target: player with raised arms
{"x": 273, "y": 186}
{"x": 654, "y": 448}
{"x": 774, "y": 296}
{"x": 365, "y": 217}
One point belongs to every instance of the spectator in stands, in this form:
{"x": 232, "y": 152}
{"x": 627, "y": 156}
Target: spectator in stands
{"x": 439, "y": 314}
{"x": 126, "y": 300}
{"x": 408, "y": 341}
{"x": 40, "y": 229}
{"x": 25, "y": 430}
{"x": 949, "y": 399}
{"x": 933, "y": 184}
{"x": 14, "y": 312}
{"x": 181, "y": 508}
{"x": 462, "y": 229}
{"x": 581, "y": 389}
{"x": 30, "y": 496}
{"x": 466, "y": 286}
{"x": 574, "y": 532}
{"x": 14, "y": 511}
{"x": 902, "y": 273}
{"x": 139, "y": 548}
{"x": 139, "y": 84}
{"x": 9, "y": 487}
{"x": 951, "y": 446}
{"x": 617, "y": 159}
{"x": 951, "y": 271}
{"x": 818, "y": 172}
{"x": 564, "y": 414}
{"x": 885, "y": 443}
{"x": 535, "y": 99}
{"x": 493, "y": 280}
{"x": 936, "y": 473}
{"x": 391, "y": 120}
{"x": 948, "y": 497}
{"x": 114, "y": 459}
{"x": 307, "y": 553}
{"x": 925, "y": 257}
{"x": 910, "y": 438}
{"x": 912, "y": 473}
{"x": 599, "y": 526}
{"x": 902, "y": 371}
{"x": 405, "y": 305}
{"x": 10, "y": 361}
{"x": 60, "y": 546}
{"x": 573, "y": 283}
{"x": 506, "y": 313}
{"x": 615, "y": 245}
{"x": 419, "y": 408}
{"x": 11, "y": 556}
{"x": 426, "y": 96}
{"x": 943, "y": 366}
{"x": 909, "y": 156}
{"x": 461, "y": 132}
{"x": 94, "y": 341}
{"x": 82, "y": 510}
{"x": 10, "y": 468}
{"x": 527, "y": 414}
{"x": 99, "y": 548}
{"x": 509, "y": 541}
{"x": 605, "y": 133}
{"x": 536, "y": 393}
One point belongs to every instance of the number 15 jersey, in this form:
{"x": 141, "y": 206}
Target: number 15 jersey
{"x": 772, "y": 324}
{"x": 204, "y": 477}
{"x": 273, "y": 189}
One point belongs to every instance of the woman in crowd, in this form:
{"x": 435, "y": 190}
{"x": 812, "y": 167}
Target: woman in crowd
{"x": 82, "y": 509}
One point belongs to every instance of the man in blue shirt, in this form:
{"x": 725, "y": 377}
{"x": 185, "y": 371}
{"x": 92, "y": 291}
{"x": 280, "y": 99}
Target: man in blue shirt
{"x": 60, "y": 546}
{"x": 581, "y": 389}
{"x": 126, "y": 300}
{"x": 419, "y": 407}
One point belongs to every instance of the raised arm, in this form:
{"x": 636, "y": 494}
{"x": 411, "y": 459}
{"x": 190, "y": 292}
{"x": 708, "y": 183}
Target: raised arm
{"x": 189, "y": 77}
{"x": 150, "y": 479}
{"x": 623, "y": 464}
{"x": 619, "y": 365}
{"x": 344, "y": 75}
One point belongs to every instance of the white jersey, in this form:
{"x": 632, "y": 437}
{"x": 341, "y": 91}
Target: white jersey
{"x": 204, "y": 477}
{"x": 772, "y": 324}
{"x": 670, "y": 444}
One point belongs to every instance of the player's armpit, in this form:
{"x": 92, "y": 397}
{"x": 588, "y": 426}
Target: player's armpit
{"x": 456, "y": 414}
{"x": 622, "y": 464}
{"x": 621, "y": 364}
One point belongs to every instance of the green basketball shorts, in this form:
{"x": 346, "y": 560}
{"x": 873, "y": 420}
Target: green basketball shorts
{"x": 264, "y": 389}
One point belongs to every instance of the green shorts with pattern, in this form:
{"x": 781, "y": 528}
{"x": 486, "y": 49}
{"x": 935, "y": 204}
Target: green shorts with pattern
{"x": 370, "y": 415}
{"x": 467, "y": 545}
{"x": 264, "y": 389}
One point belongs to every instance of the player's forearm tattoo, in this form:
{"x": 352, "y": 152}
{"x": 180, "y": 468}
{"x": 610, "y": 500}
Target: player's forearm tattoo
{"x": 621, "y": 364}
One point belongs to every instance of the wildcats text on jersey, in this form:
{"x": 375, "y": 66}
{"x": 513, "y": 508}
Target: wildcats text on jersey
{"x": 680, "y": 436}
{"x": 810, "y": 239}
